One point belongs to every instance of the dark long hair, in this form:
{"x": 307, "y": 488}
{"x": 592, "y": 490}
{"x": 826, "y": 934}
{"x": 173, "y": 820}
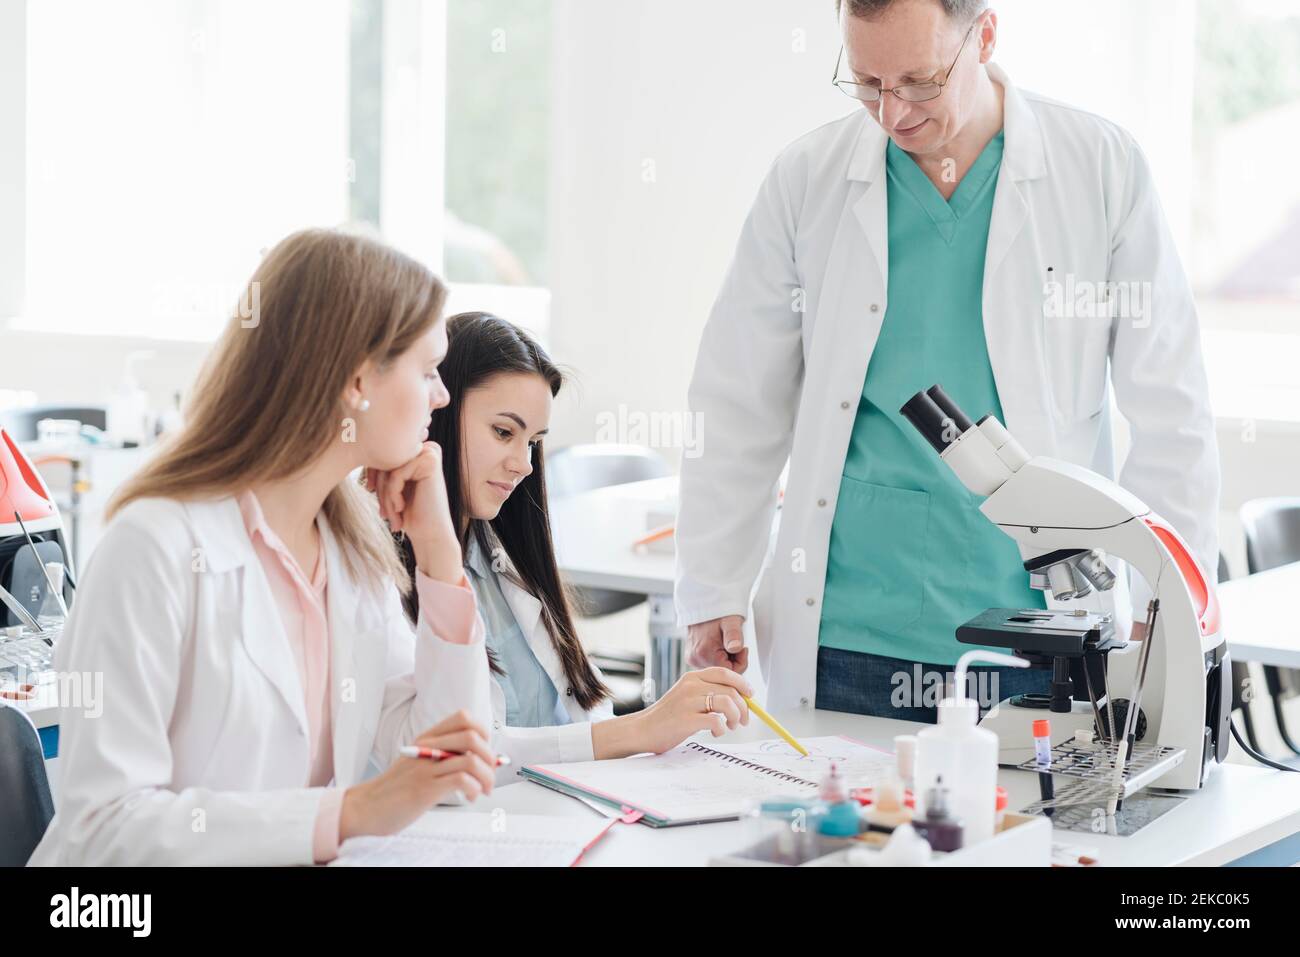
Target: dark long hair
{"x": 480, "y": 346}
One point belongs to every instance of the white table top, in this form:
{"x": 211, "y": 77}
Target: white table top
{"x": 1240, "y": 810}
{"x": 594, "y": 532}
{"x": 1259, "y": 616}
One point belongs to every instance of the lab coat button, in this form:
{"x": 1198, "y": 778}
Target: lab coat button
{"x": 569, "y": 692}
{"x": 844, "y": 405}
{"x": 821, "y": 503}
{"x": 808, "y": 601}
{"x": 874, "y": 307}
{"x": 496, "y": 725}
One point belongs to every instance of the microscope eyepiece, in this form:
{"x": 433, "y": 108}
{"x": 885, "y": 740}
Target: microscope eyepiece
{"x": 935, "y": 427}
{"x": 982, "y": 458}
{"x": 939, "y": 419}
{"x": 950, "y": 408}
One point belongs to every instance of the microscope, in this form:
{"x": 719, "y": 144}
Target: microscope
{"x": 1173, "y": 725}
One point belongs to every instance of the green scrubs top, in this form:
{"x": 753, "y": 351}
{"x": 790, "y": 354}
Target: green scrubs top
{"x": 911, "y": 556}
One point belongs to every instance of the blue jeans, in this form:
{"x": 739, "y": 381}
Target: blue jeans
{"x": 909, "y": 690}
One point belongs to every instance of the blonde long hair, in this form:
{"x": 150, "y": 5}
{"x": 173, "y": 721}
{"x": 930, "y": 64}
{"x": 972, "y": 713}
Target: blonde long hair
{"x": 269, "y": 399}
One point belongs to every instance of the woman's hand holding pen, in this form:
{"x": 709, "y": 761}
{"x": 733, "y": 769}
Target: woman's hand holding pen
{"x": 413, "y": 500}
{"x": 712, "y": 699}
{"x": 389, "y": 802}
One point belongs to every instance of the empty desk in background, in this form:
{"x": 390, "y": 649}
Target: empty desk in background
{"x": 594, "y": 532}
{"x": 1261, "y": 616}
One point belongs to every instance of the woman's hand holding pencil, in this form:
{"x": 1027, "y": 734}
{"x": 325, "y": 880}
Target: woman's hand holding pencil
{"x": 389, "y": 802}
{"x": 712, "y": 699}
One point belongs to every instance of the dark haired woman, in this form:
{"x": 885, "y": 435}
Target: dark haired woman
{"x": 548, "y": 700}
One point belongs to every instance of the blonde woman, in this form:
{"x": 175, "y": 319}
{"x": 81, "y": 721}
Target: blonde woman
{"x": 241, "y": 605}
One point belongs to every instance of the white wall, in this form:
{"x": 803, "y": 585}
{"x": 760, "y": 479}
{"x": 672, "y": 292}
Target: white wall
{"x": 708, "y": 93}
{"x": 84, "y": 369}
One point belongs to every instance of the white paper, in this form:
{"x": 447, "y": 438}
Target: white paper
{"x": 459, "y": 839}
{"x": 697, "y": 781}
{"x": 859, "y": 764}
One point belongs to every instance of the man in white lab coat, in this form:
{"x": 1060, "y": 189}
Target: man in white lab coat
{"x": 957, "y": 230}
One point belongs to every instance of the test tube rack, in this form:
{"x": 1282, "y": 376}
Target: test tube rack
{"x": 1092, "y": 764}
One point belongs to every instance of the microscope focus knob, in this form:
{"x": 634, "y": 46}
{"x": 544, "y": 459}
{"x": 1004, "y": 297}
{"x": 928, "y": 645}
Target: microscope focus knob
{"x": 1121, "y": 719}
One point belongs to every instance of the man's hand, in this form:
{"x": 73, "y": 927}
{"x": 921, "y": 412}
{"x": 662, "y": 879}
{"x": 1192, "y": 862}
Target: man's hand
{"x": 1139, "y": 631}
{"x": 717, "y": 643}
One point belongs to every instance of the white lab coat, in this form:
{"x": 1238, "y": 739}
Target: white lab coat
{"x": 201, "y": 753}
{"x": 1075, "y": 193}
{"x": 545, "y": 745}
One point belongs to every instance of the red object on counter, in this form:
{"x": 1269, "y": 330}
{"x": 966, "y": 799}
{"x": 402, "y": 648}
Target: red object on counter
{"x": 21, "y": 488}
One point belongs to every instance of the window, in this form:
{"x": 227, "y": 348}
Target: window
{"x": 495, "y": 95}
{"x": 1211, "y": 91}
{"x": 498, "y": 139}
{"x": 1245, "y": 258}
{"x": 365, "y": 111}
{"x": 168, "y": 143}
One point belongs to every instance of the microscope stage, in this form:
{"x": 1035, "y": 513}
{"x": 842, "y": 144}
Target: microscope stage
{"x": 1036, "y": 631}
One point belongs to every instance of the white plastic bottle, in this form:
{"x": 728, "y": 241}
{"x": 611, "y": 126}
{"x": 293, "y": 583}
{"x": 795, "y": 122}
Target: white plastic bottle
{"x": 965, "y": 754}
{"x": 128, "y": 406}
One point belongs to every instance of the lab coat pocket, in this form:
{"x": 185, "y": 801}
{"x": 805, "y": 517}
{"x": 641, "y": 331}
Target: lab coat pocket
{"x": 877, "y": 554}
{"x": 1075, "y": 352}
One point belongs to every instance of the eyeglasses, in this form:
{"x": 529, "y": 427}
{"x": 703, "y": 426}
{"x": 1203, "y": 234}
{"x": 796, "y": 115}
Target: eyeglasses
{"x": 911, "y": 92}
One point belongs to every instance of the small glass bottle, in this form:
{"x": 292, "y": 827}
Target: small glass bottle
{"x": 940, "y": 828}
{"x": 841, "y": 818}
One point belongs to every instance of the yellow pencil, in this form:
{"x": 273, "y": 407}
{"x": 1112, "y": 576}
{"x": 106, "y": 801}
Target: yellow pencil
{"x": 775, "y": 725}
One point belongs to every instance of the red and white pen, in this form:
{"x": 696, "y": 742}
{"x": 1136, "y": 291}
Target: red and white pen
{"x": 437, "y": 754}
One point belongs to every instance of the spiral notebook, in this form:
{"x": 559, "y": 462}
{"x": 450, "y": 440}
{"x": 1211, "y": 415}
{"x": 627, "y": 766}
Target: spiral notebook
{"x": 699, "y": 781}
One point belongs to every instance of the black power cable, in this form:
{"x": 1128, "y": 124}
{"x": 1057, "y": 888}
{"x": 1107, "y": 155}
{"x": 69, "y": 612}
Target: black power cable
{"x": 1255, "y": 754}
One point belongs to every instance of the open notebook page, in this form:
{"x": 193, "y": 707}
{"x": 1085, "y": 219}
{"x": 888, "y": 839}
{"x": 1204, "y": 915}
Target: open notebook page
{"x": 703, "y": 780}
{"x": 859, "y": 764}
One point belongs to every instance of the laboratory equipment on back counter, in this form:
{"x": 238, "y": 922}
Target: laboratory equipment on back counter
{"x": 1172, "y": 726}
{"x": 35, "y": 574}
{"x": 31, "y": 536}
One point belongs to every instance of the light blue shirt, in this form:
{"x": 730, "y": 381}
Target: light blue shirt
{"x": 531, "y": 698}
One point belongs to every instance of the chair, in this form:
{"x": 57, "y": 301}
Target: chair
{"x": 581, "y": 468}
{"x": 1240, "y": 676}
{"x": 26, "y": 806}
{"x": 1272, "y": 528}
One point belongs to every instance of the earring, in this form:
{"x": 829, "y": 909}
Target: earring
{"x": 364, "y": 406}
